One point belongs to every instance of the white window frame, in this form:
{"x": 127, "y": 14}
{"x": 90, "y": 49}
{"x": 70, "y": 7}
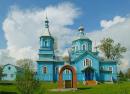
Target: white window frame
{"x": 41, "y": 42}
{"x": 47, "y": 43}
{"x": 84, "y": 62}
{"x": 72, "y": 48}
{"x": 111, "y": 68}
{"x": 43, "y": 69}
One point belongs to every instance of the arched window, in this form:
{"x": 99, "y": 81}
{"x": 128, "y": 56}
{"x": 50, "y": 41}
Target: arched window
{"x": 9, "y": 68}
{"x": 84, "y": 47}
{"x": 87, "y": 62}
{"x": 76, "y": 48}
{"x": 101, "y": 68}
{"x": 110, "y": 68}
{"x": 45, "y": 43}
{"x": 44, "y": 69}
{"x": 48, "y": 43}
{"x": 73, "y": 48}
{"x": 42, "y": 42}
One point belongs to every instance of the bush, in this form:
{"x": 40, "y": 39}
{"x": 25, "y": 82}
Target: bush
{"x": 26, "y": 82}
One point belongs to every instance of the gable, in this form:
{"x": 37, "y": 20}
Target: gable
{"x": 87, "y": 56}
{"x": 9, "y": 68}
{"x": 84, "y": 55}
{"x": 79, "y": 63}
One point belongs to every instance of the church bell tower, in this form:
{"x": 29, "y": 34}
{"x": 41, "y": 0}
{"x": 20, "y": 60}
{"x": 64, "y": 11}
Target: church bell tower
{"x": 46, "y": 51}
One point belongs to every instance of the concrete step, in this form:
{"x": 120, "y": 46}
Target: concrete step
{"x": 91, "y": 82}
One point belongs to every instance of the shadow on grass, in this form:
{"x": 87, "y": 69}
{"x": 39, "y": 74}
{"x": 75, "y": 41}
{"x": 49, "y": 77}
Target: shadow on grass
{"x": 6, "y": 83}
{"x": 84, "y": 88}
{"x": 4, "y": 92}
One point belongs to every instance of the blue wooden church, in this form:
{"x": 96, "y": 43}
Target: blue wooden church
{"x": 88, "y": 64}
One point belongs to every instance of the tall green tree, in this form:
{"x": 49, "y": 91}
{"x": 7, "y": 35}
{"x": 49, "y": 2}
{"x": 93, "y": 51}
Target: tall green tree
{"x": 26, "y": 82}
{"x": 1, "y": 72}
{"x": 117, "y": 51}
{"x": 122, "y": 76}
{"x": 128, "y": 73}
{"x": 111, "y": 50}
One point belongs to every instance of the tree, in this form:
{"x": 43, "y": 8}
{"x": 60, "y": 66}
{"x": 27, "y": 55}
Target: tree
{"x": 1, "y": 72}
{"x": 106, "y": 47}
{"x": 26, "y": 82}
{"x": 111, "y": 50}
{"x": 128, "y": 73}
{"x": 117, "y": 51}
{"x": 122, "y": 76}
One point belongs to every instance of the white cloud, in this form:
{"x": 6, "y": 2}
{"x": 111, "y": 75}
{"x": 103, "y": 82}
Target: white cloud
{"x": 5, "y": 58}
{"x": 116, "y": 20}
{"x": 120, "y": 33}
{"x": 22, "y": 28}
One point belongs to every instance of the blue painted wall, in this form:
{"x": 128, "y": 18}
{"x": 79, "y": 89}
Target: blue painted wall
{"x": 48, "y": 76}
{"x": 107, "y": 74}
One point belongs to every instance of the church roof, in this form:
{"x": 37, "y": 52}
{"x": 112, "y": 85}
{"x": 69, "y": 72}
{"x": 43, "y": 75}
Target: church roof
{"x": 18, "y": 68}
{"x": 80, "y": 56}
{"x": 81, "y": 35}
{"x": 81, "y": 38}
{"x": 107, "y": 61}
{"x": 47, "y": 60}
{"x": 46, "y": 31}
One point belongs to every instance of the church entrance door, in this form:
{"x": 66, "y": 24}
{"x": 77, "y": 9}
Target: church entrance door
{"x": 89, "y": 73}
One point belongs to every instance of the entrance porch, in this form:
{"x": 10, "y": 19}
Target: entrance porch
{"x": 89, "y": 74}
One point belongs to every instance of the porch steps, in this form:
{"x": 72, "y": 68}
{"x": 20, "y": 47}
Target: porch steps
{"x": 109, "y": 82}
{"x": 91, "y": 82}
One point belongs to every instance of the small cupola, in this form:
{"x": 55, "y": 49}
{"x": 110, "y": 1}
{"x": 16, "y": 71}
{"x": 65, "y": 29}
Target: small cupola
{"x": 81, "y": 30}
{"x": 46, "y": 31}
{"x": 46, "y": 40}
{"x": 66, "y": 56}
{"x": 81, "y": 43}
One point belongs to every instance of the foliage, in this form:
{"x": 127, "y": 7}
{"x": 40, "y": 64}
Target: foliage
{"x": 25, "y": 80}
{"x": 117, "y": 51}
{"x": 122, "y": 76}
{"x": 111, "y": 50}
{"x": 106, "y": 47}
{"x": 1, "y": 72}
{"x": 128, "y": 73}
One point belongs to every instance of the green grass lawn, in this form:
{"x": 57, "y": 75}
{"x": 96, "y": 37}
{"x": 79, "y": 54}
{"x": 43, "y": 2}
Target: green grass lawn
{"x": 122, "y": 88}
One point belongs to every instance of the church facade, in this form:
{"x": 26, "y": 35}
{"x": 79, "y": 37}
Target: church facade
{"x": 87, "y": 63}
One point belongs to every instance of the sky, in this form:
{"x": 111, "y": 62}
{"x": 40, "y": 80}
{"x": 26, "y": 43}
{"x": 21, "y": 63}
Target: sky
{"x": 21, "y": 23}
